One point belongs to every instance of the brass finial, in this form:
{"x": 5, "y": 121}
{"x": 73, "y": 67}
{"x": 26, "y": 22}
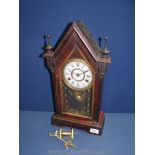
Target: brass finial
{"x": 49, "y": 46}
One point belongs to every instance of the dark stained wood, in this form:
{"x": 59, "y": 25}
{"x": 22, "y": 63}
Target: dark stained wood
{"x": 77, "y": 43}
{"x": 62, "y": 120}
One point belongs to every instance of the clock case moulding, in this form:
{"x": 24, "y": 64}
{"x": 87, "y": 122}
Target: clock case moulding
{"x": 77, "y": 42}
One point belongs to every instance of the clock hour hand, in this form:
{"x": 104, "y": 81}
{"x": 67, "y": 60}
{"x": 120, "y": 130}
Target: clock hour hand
{"x": 77, "y": 74}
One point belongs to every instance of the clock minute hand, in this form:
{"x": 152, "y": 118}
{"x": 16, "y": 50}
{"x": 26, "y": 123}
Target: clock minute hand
{"x": 84, "y": 72}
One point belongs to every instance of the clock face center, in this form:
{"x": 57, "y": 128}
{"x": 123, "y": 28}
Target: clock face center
{"x": 77, "y": 74}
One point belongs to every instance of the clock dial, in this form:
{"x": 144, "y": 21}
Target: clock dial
{"x": 77, "y": 74}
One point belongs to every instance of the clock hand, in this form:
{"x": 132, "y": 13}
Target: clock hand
{"x": 76, "y": 74}
{"x": 84, "y": 72}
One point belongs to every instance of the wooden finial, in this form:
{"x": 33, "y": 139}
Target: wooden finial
{"x": 49, "y": 46}
{"x": 105, "y": 51}
{"x": 105, "y": 42}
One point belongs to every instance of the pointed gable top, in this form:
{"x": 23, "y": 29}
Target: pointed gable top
{"x": 80, "y": 28}
{"x": 88, "y": 35}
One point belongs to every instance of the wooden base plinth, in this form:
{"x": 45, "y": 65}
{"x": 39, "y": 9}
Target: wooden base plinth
{"x": 90, "y": 126}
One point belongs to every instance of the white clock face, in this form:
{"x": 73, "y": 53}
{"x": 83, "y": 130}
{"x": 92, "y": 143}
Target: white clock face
{"x": 77, "y": 74}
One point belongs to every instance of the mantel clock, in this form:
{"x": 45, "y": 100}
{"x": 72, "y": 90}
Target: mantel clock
{"x": 78, "y": 65}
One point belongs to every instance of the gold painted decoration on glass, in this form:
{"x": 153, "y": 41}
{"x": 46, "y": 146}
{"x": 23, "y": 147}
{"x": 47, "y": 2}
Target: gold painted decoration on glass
{"x": 77, "y": 74}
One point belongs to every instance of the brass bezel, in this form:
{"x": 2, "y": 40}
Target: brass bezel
{"x": 63, "y": 77}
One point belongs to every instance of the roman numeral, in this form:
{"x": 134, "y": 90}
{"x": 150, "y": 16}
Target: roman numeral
{"x": 69, "y": 78}
{"x": 77, "y": 64}
{"x": 69, "y": 70}
{"x": 88, "y": 76}
{"x": 87, "y": 80}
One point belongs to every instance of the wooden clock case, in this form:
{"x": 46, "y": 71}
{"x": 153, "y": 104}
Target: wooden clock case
{"x": 77, "y": 42}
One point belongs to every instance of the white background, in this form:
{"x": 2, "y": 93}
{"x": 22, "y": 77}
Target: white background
{"x": 145, "y": 77}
